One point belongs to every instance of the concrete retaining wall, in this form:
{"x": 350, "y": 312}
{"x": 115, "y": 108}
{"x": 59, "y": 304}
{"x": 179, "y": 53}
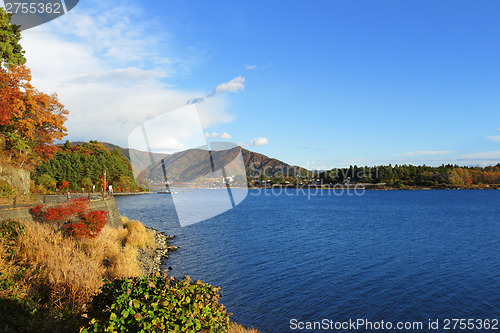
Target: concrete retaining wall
{"x": 109, "y": 205}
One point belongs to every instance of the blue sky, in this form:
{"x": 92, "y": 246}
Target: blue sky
{"x": 319, "y": 84}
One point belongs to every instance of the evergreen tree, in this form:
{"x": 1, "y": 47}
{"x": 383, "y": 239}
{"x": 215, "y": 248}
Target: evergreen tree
{"x": 84, "y": 165}
{"x": 11, "y": 53}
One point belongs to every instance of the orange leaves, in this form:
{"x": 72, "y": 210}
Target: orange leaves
{"x": 10, "y": 92}
{"x": 34, "y": 117}
{"x": 45, "y": 151}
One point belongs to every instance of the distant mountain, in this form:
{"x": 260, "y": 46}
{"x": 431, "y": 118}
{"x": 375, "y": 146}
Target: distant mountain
{"x": 195, "y": 163}
{"x": 259, "y": 164}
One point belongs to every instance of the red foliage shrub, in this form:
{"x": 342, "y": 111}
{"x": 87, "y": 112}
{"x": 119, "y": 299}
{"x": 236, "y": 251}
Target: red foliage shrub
{"x": 63, "y": 212}
{"x": 58, "y": 214}
{"x": 37, "y": 210}
{"x": 64, "y": 185}
{"x": 79, "y": 205}
{"x": 80, "y": 221}
{"x": 91, "y": 224}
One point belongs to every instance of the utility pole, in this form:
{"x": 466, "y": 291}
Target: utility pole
{"x": 104, "y": 183}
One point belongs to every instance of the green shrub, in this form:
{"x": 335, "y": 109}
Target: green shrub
{"x": 6, "y": 190}
{"x": 157, "y": 303}
{"x": 47, "y": 181}
{"x": 10, "y": 230}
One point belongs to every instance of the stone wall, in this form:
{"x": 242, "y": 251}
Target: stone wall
{"x": 109, "y": 205}
{"x": 17, "y": 178}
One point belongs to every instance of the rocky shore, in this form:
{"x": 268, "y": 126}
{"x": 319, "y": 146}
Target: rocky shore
{"x": 151, "y": 259}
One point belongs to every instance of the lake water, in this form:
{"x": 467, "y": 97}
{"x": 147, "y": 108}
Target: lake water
{"x": 396, "y": 256}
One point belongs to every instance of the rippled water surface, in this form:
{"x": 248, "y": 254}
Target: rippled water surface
{"x": 385, "y": 255}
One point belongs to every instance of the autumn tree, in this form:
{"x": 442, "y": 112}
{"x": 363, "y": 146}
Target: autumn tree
{"x": 30, "y": 120}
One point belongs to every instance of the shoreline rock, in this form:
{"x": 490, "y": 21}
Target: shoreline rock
{"x": 151, "y": 259}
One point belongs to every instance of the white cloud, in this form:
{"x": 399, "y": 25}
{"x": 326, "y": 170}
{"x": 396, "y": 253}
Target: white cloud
{"x": 120, "y": 76}
{"x": 110, "y": 73}
{"x": 225, "y": 135}
{"x": 235, "y": 85}
{"x": 255, "y": 142}
{"x": 250, "y": 66}
{"x": 260, "y": 141}
{"x": 486, "y": 155}
{"x": 427, "y": 152}
{"x": 494, "y": 138}
{"x": 169, "y": 132}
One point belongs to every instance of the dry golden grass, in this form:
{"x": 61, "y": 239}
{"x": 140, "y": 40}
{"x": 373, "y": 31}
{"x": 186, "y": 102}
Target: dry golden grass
{"x": 111, "y": 249}
{"x": 237, "y": 328}
{"x": 71, "y": 270}
{"x": 137, "y": 235}
{"x": 66, "y": 272}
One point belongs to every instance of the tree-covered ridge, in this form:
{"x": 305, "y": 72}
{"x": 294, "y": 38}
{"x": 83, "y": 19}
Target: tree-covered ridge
{"x": 410, "y": 175}
{"x": 82, "y": 166}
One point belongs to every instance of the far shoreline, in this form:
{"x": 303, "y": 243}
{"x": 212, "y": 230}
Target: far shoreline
{"x": 339, "y": 187}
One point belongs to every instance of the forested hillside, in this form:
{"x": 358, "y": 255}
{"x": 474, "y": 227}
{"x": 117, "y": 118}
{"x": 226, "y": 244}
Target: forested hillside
{"x": 82, "y": 166}
{"x": 411, "y": 175}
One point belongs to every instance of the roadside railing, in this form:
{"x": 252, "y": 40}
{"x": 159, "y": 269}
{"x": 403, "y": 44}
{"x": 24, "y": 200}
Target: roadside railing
{"x": 18, "y": 202}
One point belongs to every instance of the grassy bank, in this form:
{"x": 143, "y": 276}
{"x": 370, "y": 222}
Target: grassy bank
{"x": 48, "y": 280}
{"x": 51, "y": 277}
